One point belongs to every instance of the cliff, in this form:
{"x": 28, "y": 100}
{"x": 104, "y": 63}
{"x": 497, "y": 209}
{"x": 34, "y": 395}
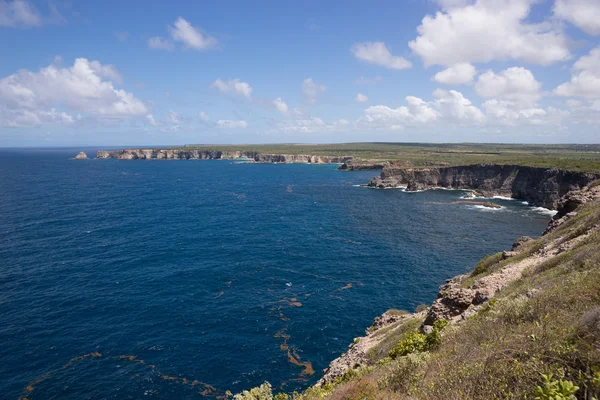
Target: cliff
{"x": 353, "y": 165}
{"x": 175, "y": 154}
{"x": 539, "y": 186}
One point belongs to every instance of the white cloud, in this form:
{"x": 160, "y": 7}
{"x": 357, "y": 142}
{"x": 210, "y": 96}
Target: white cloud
{"x": 515, "y": 84}
{"x": 368, "y": 81}
{"x": 512, "y": 113}
{"x": 159, "y": 43}
{"x": 229, "y": 124}
{"x": 80, "y": 88}
{"x": 19, "y": 13}
{"x": 233, "y": 87}
{"x": 584, "y": 14}
{"x": 204, "y": 116}
{"x": 280, "y": 105}
{"x": 416, "y": 112}
{"x": 361, "y": 98}
{"x": 488, "y": 30}
{"x": 193, "y": 38}
{"x": 312, "y": 90}
{"x": 455, "y": 107}
{"x": 106, "y": 71}
{"x": 457, "y": 74}
{"x": 448, "y": 106}
{"x": 151, "y": 119}
{"x": 585, "y": 79}
{"x": 377, "y": 53}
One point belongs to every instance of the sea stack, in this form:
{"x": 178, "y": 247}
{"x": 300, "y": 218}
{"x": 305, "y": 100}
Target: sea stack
{"x": 81, "y": 156}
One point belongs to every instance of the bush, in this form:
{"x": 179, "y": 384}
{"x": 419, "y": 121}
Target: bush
{"x": 262, "y": 392}
{"x": 556, "y": 389}
{"x": 417, "y": 342}
{"x": 434, "y": 339}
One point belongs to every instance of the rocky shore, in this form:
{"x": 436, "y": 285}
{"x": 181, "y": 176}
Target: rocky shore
{"x": 538, "y": 186}
{"x": 466, "y": 295}
{"x": 252, "y": 156}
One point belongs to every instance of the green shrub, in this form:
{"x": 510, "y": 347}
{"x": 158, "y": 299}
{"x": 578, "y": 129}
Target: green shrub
{"x": 281, "y": 396}
{"x": 415, "y": 342}
{"x": 556, "y": 389}
{"x": 262, "y": 392}
{"x": 434, "y": 339}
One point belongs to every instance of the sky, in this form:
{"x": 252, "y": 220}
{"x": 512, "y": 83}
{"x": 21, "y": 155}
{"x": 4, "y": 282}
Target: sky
{"x": 149, "y": 72}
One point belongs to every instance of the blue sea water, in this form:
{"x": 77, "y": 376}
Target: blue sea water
{"x": 178, "y": 279}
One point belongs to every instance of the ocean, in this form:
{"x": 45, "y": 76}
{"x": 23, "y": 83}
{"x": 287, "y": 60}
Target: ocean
{"x": 184, "y": 279}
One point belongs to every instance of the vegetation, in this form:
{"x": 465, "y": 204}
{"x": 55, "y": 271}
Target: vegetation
{"x": 538, "y": 339}
{"x": 571, "y": 157}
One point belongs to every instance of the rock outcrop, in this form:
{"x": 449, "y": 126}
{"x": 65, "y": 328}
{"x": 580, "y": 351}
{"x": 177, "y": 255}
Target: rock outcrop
{"x": 539, "y": 186}
{"x": 182, "y": 154}
{"x": 81, "y": 156}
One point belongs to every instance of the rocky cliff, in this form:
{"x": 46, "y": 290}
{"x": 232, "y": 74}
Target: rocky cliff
{"x": 166, "y": 154}
{"x": 539, "y": 186}
{"x": 518, "y": 279}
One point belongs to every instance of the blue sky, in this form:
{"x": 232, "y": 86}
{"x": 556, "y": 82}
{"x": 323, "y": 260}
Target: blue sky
{"x": 155, "y": 72}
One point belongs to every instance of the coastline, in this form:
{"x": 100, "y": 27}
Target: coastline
{"x": 465, "y": 296}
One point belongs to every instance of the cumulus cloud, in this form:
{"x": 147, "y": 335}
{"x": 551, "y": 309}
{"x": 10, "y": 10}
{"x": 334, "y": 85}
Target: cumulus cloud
{"x": 193, "y": 38}
{"x": 513, "y": 113}
{"x": 233, "y": 87}
{"x": 448, "y": 106}
{"x": 361, "y": 98}
{"x": 229, "y": 124}
{"x": 416, "y": 111}
{"x": 159, "y": 43}
{"x": 377, "y": 53}
{"x": 280, "y": 105}
{"x": 312, "y": 90}
{"x": 456, "y": 107}
{"x": 515, "y": 84}
{"x": 585, "y": 79}
{"x": 488, "y": 30}
{"x": 457, "y": 74}
{"x": 19, "y": 13}
{"x": 585, "y": 14}
{"x": 203, "y": 116}
{"x": 32, "y": 98}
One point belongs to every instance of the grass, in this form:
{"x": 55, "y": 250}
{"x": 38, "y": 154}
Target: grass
{"x": 569, "y": 157}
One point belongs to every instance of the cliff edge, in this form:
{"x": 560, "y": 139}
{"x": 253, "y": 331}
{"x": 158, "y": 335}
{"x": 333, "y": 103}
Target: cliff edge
{"x": 176, "y": 154}
{"x": 539, "y": 186}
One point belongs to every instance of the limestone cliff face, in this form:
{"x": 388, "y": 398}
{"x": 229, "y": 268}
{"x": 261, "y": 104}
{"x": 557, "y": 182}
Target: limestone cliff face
{"x": 158, "y": 154}
{"x": 539, "y": 186}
